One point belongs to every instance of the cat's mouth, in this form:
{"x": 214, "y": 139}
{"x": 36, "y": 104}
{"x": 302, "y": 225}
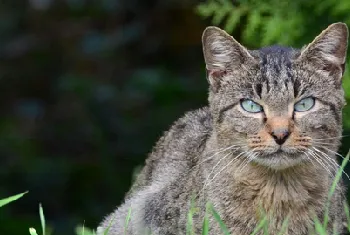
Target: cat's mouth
{"x": 281, "y": 158}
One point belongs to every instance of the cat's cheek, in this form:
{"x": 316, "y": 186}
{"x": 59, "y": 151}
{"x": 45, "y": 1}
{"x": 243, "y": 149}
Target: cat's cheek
{"x": 249, "y": 128}
{"x": 318, "y": 124}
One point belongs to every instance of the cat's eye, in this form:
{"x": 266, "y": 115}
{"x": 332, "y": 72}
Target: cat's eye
{"x": 304, "y": 104}
{"x": 251, "y": 106}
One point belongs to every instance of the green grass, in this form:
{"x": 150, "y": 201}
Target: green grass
{"x": 6, "y": 201}
{"x": 320, "y": 226}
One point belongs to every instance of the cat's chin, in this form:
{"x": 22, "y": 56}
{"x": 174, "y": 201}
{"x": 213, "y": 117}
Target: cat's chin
{"x": 280, "y": 160}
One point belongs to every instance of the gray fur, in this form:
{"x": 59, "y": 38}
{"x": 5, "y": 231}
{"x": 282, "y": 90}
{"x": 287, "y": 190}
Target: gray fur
{"x": 193, "y": 158}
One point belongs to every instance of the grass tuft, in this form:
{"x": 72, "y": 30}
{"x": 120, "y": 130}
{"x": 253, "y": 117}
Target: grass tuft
{"x": 320, "y": 228}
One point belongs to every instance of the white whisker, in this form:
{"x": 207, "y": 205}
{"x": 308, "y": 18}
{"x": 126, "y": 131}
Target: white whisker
{"x": 331, "y": 160}
{"x": 212, "y": 171}
{"x": 324, "y": 143}
{"x": 331, "y": 138}
{"x": 332, "y": 151}
{"x": 316, "y": 157}
{"x": 222, "y": 169}
{"x": 234, "y": 147}
{"x": 250, "y": 158}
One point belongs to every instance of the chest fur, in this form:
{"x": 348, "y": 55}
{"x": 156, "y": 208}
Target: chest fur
{"x": 273, "y": 197}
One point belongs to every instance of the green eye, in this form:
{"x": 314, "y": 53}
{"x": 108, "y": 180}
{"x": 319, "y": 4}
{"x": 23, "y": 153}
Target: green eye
{"x": 304, "y": 104}
{"x": 251, "y": 106}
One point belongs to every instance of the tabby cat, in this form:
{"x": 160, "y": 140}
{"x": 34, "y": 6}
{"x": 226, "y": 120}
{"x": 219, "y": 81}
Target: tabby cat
{"x": 265, "y": 145}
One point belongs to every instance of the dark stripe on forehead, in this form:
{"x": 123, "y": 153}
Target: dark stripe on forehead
{"x": 276, "y": 59}
{"x": 277, "y": 66}
{"x": 263, "y": 69}
{"x": 286, "y": 81}
{"x": 296, "y": 86}
{"x": 289, "y": 71}
{"x": 258, "y": 89}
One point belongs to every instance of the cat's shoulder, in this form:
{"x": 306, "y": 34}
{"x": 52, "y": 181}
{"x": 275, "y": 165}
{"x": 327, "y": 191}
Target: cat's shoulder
{"x": 176, "y": 149}
{"x": 185, "y": 134}
{"x": 193, "y": 122}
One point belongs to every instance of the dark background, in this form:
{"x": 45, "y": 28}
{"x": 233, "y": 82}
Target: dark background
{"x": 86, "y": 88}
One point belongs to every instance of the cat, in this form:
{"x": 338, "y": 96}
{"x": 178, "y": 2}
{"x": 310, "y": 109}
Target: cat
{"x": 264, "y": 146}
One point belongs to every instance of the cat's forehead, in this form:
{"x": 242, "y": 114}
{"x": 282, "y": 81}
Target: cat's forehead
{"x": 275, "y": 78}
{"x": 276, "y": 61}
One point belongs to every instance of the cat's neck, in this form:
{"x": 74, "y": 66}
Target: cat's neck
{"x": 275, "y": 190}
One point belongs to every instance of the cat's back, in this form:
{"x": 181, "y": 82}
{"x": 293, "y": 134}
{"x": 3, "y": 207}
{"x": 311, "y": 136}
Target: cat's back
{"x": 177, "y": 151}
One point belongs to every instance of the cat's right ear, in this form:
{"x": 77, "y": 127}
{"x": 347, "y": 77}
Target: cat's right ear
{"x": 222, "y": 54}
{"x": 327, "y": 52}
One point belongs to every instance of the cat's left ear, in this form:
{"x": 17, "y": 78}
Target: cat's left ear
{"x": 327, "y": 52}
{"x": 222, "y": 54}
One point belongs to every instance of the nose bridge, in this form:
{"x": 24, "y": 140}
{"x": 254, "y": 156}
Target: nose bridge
{"x": 278, "y": 122}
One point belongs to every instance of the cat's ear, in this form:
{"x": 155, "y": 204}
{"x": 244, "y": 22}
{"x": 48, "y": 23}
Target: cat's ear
{"x": 222, "y": 54}
{"x": 327, "y": 52}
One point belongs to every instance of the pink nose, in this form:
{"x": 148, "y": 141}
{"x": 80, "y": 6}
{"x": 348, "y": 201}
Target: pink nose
{"x": 280, "y": 135}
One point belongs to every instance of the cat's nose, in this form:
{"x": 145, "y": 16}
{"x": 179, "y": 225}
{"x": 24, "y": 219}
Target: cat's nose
{"x": 280, "y": 135}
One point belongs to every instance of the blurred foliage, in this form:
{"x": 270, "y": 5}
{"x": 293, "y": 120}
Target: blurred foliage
{"x": 88, "y": 86}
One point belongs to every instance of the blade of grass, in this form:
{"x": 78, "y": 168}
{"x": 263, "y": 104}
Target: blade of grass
{"x": 284, "y": 225}
{"x": 42, "y": 219}
{"x": 205, "y": 227}
{"x": 219, "y": 220}
{"x": 319, "y": 227}
{"x": 346, "y": 208}
{"x": 6, "y": 201}
{"x": 332, "y": 189}
{"x": 335, "y": 232}
{"x": 260, "y": 226}
{"x": 81, "y": 230}
{"x": 189, "y": 227}
{"x": 109, "y": 225}
{"x": 127, "y": 220}
{"x": 193, "y": 210}
{"x": 32, "y": 231}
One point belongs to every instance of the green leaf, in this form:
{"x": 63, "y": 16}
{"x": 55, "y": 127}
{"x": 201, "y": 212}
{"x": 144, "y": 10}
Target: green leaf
{"x": 6, "y": 201}
{"x": 254, "y": 21}
{"x": 232, "y": 20}
{"x": 220, "y": 14}
{"x": 206, "y": 9}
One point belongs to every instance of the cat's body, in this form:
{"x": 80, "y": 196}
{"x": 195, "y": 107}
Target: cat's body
{"x": 246, "y": 158}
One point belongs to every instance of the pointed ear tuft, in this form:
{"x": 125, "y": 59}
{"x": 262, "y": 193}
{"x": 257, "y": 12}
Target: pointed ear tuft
{"x": 222, "y": 53}
{"x": 328, "y": 50}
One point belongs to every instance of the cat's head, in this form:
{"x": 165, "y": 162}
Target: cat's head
{"x": 281, "y": 106}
